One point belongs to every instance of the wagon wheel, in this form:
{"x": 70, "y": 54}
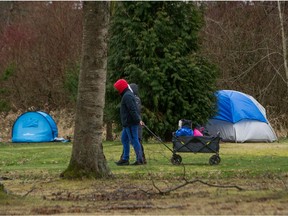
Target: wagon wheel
{"x": 214, "y": 160}
{"x": 176, "y": 159}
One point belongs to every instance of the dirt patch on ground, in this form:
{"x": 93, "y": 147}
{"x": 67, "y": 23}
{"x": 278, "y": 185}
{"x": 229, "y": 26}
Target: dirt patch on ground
{"x": 125, "y": 196}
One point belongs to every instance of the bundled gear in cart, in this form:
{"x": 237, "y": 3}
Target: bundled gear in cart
{"x": 196, "y": 143}
{"x": 184, "y": 128}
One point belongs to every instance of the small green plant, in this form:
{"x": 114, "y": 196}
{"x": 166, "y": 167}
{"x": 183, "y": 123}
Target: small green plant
{"x": 4, "y": 106}
{"x": 3, "y": 90}
{"x": 9, "y": 71}
{"x": 71, "y": 80}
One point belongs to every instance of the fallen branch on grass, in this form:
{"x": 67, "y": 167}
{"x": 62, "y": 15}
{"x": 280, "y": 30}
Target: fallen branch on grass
{"x": 32, "y": 189}
{"x": 167, "y": 191}
{"x": 187, "y": 182}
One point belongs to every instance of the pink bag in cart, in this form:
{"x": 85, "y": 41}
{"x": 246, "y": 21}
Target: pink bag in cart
{"x": 196, "y": 132}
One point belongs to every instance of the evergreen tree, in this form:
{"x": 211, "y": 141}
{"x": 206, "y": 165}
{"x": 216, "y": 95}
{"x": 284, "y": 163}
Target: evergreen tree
{"x": 155, "y": 44}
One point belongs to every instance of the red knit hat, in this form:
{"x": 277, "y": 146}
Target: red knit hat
{"x": 120, "y": 85}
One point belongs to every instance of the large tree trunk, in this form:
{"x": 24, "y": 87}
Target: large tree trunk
{"x": 88, "y": 159}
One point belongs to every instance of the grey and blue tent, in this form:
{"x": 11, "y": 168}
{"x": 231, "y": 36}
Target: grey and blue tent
{"x": 240, "y": 118}
{"x": 34, "y": 127}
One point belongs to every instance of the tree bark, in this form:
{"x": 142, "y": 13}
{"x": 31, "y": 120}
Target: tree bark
{"x": 109, "y": 131}
{"x": 284, "y": 45}
{"x": 88, "y": 159}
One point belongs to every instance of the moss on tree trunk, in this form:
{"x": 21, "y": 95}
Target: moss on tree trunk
{"x": 75, "y": 172}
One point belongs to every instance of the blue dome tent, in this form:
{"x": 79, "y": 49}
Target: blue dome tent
{"x": 240, "y": 118}
{"x": 34, "y": 127}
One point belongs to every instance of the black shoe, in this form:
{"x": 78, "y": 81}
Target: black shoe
{"x": 137, "y": 163}
{"x": 122, "y": 162}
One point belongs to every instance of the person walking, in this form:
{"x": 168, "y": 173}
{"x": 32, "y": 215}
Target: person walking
{"x": 135, "y": 90}
{"x": 130, "y": 120}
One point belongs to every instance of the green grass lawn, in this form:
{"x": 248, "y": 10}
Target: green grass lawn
{"x": 33, "y": 169}
{"x": 32, "y": 160}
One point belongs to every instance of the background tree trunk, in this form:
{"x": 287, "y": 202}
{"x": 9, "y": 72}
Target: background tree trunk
{"x": 88, "y": 159}
{"x": 284, "y": 45}
{"x": 109, "y": 131}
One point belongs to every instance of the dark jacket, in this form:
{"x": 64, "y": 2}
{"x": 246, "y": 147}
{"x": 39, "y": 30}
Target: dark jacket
{"x": 134, "y": 88}
{"x": 128, "y": 110}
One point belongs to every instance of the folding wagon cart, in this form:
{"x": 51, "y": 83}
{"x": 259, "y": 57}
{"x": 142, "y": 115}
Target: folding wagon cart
{"x": 196, "y": 144}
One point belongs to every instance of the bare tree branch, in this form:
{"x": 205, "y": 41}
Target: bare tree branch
{"x": 187, "y": 182}
{"x": 28, "y": 192}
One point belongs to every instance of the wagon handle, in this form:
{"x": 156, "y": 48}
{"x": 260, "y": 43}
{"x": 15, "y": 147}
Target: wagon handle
{"x": 158, "y": 138}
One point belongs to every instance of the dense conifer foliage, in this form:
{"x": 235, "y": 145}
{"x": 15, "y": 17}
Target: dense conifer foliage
{"x": 155, "y": 44}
